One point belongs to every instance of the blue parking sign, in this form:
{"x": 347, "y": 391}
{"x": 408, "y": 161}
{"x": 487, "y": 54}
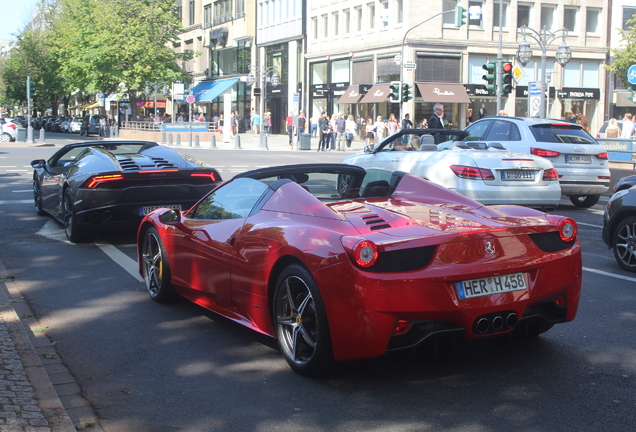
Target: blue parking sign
{"x": 631, "y": 74}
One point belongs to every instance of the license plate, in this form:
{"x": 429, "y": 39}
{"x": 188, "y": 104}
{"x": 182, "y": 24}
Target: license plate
{"x": 145, "y": 210}
{"x": 491, "y": 285}
{"x": 517, "y": 175}
{"x": 578, "y": 159}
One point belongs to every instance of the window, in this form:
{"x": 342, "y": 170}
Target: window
{"x": 628, "y": 14}
{"x": 495, "y": 16}
{"x": 591, "y": 20}
{"x": 336, "y": 24}
{"x": 222, "y": 11}
{"x": 443, "y": 68}
{"x": 399, "y": 7}
{"x": 448, "y": 18}
{"x": 569, "y": 19}
{"x": 191, "y": 21}
{"x": 240, "y": 8}
{"x": 179, "y": 12}
{"x": 475, "y": 16}
{"x": 358, "y": 19}
{"x": 325, "y": 26}
{"x": 314, "y": 27}
{"x": 523, "y": 15}
{"x": 547, "y": 17}
{"x": 207, "y": 16}
{"x": 503, "y": 131}
{"x": 371, "y": 7}
{"x": 347, "y": 21}
{"x": 477, "y": 131}
{"x": 384, "y": 16}
{"x": 235, "y": 200}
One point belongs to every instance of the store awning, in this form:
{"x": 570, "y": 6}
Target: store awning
{"x": 207, "y": 91}
{"x": 443, "y": 93}
{"x": 351, "y": 95}
{"x": 377, "y": 93}
{"x": 91, "y": 105}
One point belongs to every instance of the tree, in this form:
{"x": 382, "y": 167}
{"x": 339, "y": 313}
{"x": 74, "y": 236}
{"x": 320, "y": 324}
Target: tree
{"x": 626, "y": 56}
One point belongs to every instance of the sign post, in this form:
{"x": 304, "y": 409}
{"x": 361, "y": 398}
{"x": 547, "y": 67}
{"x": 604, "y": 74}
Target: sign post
{"x": 190, "y": 100}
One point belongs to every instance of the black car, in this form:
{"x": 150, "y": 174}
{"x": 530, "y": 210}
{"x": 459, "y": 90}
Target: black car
{"x": 624, "y": 183}
{"x": 90, "y": 185}
{"x": 619, "y": 227}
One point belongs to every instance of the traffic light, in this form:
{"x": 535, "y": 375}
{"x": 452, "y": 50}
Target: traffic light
{"x": 490, "y": 77}
{"x": 406, "y": 92}
{"x": 395, "y": 91}
{"x": 460, "y": 16}
{"x": 632, "y": 95}
{"x": 506, "y": 78}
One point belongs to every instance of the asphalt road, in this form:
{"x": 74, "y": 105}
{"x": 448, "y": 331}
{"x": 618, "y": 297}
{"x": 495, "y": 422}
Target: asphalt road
{"x": 150, "y": 367}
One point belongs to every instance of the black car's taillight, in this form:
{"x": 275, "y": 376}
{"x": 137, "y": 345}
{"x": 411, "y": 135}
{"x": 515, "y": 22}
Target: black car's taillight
{"x": 103, "y": 181}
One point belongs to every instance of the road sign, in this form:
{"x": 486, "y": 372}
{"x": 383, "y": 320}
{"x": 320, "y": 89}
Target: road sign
{"x": 631, "y": 74}
{"x": 190, "y": 99}
{"x": 397, "y": 59}
{"x": 517, "y": 73}
{"x": 410, "y": 66}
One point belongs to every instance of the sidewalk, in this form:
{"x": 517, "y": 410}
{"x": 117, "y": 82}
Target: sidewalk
{"x": 28, "y": 400}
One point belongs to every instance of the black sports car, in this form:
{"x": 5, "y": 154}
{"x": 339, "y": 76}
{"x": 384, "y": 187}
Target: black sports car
{"x": 619, "y": 227}
{"x": 89, "y": 185}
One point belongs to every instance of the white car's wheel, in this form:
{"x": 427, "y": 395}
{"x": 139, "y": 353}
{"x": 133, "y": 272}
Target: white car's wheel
{"x": 5, "y": 137}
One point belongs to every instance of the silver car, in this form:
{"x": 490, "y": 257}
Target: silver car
{"x": 9, "y": 129}
{"x": 582, "y": 164}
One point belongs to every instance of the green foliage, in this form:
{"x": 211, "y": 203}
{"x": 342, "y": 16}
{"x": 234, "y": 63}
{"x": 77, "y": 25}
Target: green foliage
{"x": 626, "y": 56}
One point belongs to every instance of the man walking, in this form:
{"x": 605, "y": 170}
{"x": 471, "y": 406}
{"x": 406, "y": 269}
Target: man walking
{"x": 323, "y": 128}
{"x": 256, "y": 122}
{"x": 341, "y": 131}
{"x": 406, "y": 124}
{"x": 290, "y": 127}
{"x": 435, "y": 121}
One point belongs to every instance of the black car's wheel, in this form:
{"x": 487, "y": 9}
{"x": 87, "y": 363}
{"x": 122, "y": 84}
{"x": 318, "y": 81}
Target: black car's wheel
{"x": 74, "y": 233}
{"x": 37, "y": 197}
{"x": 624, "y": 242}
{"x": 584, "y": 201}
{"x": 155, "y": 268}
{"x": 301, "y": 323}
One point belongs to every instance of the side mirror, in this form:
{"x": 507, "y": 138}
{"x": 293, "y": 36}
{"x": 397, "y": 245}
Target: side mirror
{"x": 171, "y": 217}
{"x": 38, "y": 163}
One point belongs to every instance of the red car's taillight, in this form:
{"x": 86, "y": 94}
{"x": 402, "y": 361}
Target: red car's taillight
{"x": 97, "y": 180}
{"x": 365, "y": 253}
{"x": 550, "y": 175}
{"x": 543, "y": 152}
{"x": 472, "y": 173}
{"x": 568, "y": 229}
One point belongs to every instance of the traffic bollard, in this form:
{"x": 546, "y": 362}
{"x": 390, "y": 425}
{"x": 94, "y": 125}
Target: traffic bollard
{"x": 178, "y": 139}
{"x": 237, "y": 141}
{"x": 213, "y": 141}
{"x": 42, "y": 137}
{"x": 196, "y": 141}
{"x": 163, "y": 137}
{"x": 169, "y": 139}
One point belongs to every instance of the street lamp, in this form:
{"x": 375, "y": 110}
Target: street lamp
{"x": 274, "y": 79}
{"x": 544, "y": 38}
{"x": 155, "y": 87}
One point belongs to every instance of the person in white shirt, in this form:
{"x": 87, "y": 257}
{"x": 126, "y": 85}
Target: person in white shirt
{"x": 628, "y": 126}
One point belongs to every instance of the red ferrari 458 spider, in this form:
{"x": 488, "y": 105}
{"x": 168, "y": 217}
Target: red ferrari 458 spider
{"x": 339, "y": 263}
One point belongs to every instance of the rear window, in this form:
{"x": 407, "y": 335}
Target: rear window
{"x": 561, "y": 134}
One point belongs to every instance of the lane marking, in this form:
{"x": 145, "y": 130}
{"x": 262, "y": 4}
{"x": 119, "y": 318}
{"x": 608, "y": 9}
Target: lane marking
{"x": 591, "y": 225}
{"x": 10, "y": 202}
{"x": 627, "y": 278}
{"x": 125, "y": 262}
{"x": 20, "y": 191}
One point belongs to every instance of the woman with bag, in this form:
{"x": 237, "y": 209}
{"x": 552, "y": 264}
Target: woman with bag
{"x": 350, "y": 128}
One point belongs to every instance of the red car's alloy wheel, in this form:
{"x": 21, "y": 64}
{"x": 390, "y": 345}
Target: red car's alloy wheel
{"x": 301, "y": 322}
{"x": 155, "y": 267}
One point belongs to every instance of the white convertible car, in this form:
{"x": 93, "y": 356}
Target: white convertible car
{"x": 490, "y": 175}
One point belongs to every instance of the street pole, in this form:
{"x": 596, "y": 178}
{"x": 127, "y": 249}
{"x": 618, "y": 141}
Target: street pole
{"x": 262, "y": 142}
{"x": 29, "y": 126}
{"x": 499, "y": 57}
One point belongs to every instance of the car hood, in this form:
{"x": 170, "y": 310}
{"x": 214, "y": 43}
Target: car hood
{"x": 403, "y": 218}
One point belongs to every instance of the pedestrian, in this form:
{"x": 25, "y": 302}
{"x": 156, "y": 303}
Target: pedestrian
{"x": 180, "y": 118}
{"x": 332, "y": 132}
{"x": 370, "y": 136}
{"x": 302, "y": 122}
{"x": 628, "y": 126}
{"x": 313, "y": 125}
{"x": 613, "y": 130}
{"x": 379, "y": 128}
{"x": 503, "y": 113}
{"x": 236, "y": 123}
{"x": 423, "y": 124}
{"x": 268, "y": 123}
{"x": 406, "y": 124}
{"x": 201, "y": 118}
{"x": 584, "y": 122}
{"x": 341, "y": 131}
{"x": 289, "y": 121}
{"x": 256, "y": 122}
{"x": 350, "y": 127}
{"x": 323, "y": 128}
{"x": 436, "y": 120}
{"x": 392, "y": 125}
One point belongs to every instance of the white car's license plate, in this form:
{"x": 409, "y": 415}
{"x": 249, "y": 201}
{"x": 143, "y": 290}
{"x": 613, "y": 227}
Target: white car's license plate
{"x": 517, "y": 175}
{"x": 578, "y": 159}
{"x": 145, "y": 210}
{"x": 491, "y": 285}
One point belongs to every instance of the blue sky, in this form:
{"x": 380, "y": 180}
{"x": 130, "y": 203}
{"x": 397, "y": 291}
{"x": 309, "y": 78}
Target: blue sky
{"x": 14, "y": 15}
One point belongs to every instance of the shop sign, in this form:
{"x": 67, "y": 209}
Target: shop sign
{"x": 522, "y": 92}
{"x": 580, "y": 93}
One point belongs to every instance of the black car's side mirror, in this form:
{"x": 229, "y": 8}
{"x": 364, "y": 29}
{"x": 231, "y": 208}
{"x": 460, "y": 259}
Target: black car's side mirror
{"x": 171, "y": 217}
{"x": 38, "y": 163}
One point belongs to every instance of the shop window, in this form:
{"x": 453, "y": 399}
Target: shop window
{"x": 362, "y": 72}
{"x": 547, "y": 17}
{"x": 523, "y": 15}
{"x": 569, "y": 19}
{"x": 628, "y": 14}
{"x": 495, "y": 16}
{"x": 592, "y": 20}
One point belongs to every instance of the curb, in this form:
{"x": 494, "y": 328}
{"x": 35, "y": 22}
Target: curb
{"x": 43, "y": 410}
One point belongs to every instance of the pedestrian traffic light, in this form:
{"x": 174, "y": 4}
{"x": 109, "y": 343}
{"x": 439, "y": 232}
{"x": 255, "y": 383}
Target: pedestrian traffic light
{"x": 460, "y": 16}
{"x": 506, "y": 78}
{"x": 395, "y": 91}
{"x": 632, "y": 94}
{"x": 490, "y": 77}
{"x": 406, "y": 92}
